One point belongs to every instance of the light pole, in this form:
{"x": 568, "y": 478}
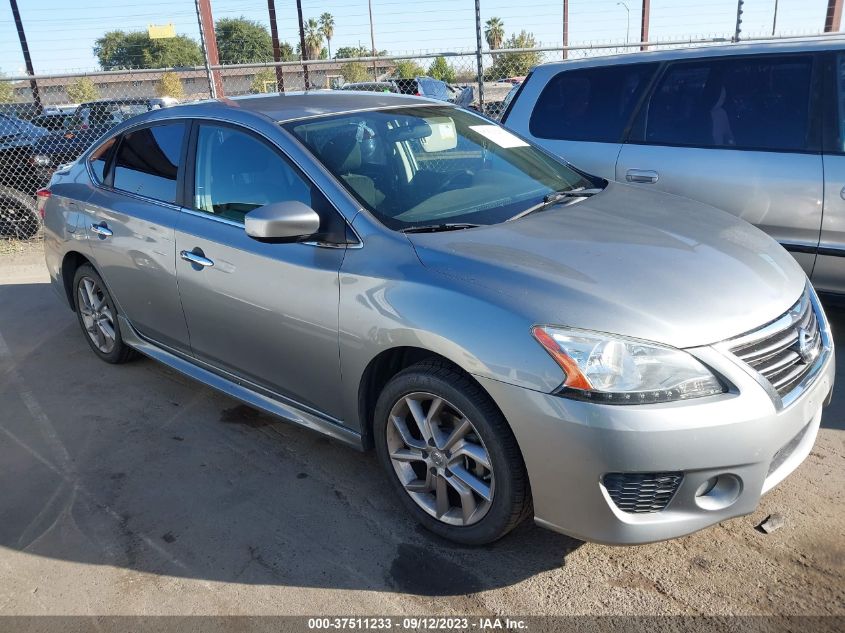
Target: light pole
{"x": 628, "y": 29}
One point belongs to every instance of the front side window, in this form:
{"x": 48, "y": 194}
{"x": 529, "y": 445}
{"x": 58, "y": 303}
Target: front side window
{"x": 591, "y": 104}
{"x": 427, "y": 165}
{"x": 147, "y": 161}
{"x": 236, "y": 173}
{"x": 747, "y": 102}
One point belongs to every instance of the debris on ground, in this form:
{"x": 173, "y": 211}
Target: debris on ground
{"x": 773, "y": 522}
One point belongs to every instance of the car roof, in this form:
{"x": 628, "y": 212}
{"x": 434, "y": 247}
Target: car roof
{"x": 797, "y": 45}
{"x": 299, "y": 105}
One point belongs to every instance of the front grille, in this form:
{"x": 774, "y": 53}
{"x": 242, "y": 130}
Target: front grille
{"x": 783, "y": 351}
{"x": 639, "y": 493}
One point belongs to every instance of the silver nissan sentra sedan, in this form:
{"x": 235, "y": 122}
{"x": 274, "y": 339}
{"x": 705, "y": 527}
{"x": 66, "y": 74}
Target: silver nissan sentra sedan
{"x": 511, "y": 335}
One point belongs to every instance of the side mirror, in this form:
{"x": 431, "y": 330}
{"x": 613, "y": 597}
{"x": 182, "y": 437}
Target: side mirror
{"x": 282, "y": 220}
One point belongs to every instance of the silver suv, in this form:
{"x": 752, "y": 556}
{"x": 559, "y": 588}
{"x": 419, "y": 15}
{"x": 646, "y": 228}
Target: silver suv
{"x": 755, "y": 129}
{"x": 513, "y": 336}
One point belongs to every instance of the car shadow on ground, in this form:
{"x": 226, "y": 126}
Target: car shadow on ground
{"x": 136, "y": 466}
{"x": 834, "y": 415}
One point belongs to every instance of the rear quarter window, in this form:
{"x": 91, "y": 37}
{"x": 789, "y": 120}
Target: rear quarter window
{"x": 590, "y": 104}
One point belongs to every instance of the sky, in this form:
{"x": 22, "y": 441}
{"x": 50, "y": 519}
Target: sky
{"x": 61, "y": 33}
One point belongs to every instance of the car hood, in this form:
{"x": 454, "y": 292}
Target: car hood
{"x": 628, "y": 261}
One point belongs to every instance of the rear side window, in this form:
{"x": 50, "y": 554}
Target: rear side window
{"x": 748, "y": 103}
{"x": 147, "y": 161}
{"x": 591, "y": 104}
{"x": 840, "y": 92}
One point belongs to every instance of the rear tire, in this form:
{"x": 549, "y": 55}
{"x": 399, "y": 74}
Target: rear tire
{"x": 481, "y": 476}
{"x": 97, "y": 316}
{"x": 18, "y": 215}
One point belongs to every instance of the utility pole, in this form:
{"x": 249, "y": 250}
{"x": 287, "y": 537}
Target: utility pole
{"x": 565, "y": 27}
{"x": 833, "y": 17}
{"x": 277, "y": 52}
{"x": 738, "y": 20}
{"x": 33, "y": 85}
{"x": 644, "y": 24}
{"x": 209, "y": 48}
{"x": 372, "y": 39}
{"x": 304, "y": 54}
{"x": 775, "y": 19}
{"x": 628, "y": 15}
{"x": 478, "y": 58}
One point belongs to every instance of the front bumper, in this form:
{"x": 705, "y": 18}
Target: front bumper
{"x": 569, "y": 446}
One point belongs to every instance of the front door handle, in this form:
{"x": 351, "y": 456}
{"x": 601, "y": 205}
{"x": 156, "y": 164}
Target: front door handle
{"x": 102, "y": 229}
{"x": 641, "y": 175}
{"x": 197, "y": 258}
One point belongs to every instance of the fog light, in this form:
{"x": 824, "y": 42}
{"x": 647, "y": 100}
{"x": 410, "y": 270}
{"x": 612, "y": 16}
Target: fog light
{"x": 718, "y": 492}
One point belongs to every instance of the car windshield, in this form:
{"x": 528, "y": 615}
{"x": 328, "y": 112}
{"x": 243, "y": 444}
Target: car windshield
{"x": 434, "y": 165}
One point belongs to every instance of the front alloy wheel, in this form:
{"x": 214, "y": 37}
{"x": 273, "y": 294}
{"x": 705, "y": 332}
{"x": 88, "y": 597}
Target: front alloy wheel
{"x": 440, "y": 459}
{"x": 450, "y": 454}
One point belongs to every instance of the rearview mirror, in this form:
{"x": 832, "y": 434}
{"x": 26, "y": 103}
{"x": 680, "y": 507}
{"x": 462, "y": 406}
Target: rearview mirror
{"x": 282, "y": 220}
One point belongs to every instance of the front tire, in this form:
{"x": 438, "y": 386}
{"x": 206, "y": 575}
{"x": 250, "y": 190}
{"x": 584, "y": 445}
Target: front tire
{"x": 450, "y": 454}
{"x": 97, "y": 316}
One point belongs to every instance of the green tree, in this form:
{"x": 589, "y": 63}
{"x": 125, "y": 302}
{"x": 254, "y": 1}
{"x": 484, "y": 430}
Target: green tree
{"x": 408, "y": 69}
{"x": 440, "y": 69}
{"x": 313, "y": 39}
{"x": 515, "y": 64}
{"x": 494, "y": 32}
{"x": 327, "y": 28}
{"x": 83, "y": 89}
{"x": 345, "y": 52}
{"x": 264, "y": 81}
{"x": 121, "y": 49}
{"x": 170, "y": 85}
{"x": 354, "y": 71}
{"x": 242, "y": 41}
{"x": 7, "y": 91}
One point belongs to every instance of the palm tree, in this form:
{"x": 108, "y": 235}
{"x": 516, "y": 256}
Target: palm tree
{"x": 313, "y": 39}
{"x": 494, "y": 32}
{"x": 327, "y": 28}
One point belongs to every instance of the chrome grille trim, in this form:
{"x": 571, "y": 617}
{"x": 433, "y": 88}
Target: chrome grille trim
{"x": 773, "y": 350}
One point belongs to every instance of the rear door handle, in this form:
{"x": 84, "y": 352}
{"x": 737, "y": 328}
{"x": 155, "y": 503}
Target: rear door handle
{"x": 102, "y": 229}
{"x": 641, "y": 175}
{"x": 197, "y": 258}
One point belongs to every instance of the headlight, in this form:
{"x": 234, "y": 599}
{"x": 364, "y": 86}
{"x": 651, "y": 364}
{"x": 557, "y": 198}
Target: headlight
{"x": 618, "y": 370}
{"x": 41, "y": 160}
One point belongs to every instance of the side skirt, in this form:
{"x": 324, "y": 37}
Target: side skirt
{"x": 240, "y": 390}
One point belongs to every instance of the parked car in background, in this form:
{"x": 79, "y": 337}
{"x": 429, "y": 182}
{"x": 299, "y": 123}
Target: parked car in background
{"x": 97, "y": 117}
{"x": 755, "y": 129}
{"x": 51, "y": 121}
{"x": 512, "y": 335}
{"x": 424, "y": 87}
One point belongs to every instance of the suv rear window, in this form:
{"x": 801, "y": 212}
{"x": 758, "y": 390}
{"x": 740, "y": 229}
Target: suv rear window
{"x": 590, "y": 104}
{"x": 746, "y": 102}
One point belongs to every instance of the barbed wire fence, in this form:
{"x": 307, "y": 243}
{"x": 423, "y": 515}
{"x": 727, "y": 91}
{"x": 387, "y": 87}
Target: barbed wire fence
{"x": 75, "y": 108}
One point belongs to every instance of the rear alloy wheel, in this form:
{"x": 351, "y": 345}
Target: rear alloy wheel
{"x": 98, "y": 316}
{"x": 450, "y": 454}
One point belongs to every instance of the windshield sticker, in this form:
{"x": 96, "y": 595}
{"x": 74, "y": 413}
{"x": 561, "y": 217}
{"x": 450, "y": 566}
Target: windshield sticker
{"x": 499, "y": 136}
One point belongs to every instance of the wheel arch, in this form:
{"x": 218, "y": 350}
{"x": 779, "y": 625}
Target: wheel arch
{"x": 384, "y": 366}
{"x": 71, "y": 262}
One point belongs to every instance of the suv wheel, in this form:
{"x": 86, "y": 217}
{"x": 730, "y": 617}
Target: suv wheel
{"x": 450, "y": 454}
{"x": 98, "y": 316}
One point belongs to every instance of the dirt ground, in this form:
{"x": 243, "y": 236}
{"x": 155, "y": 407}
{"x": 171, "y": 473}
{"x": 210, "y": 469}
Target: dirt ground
{"x": 133, "y": 490}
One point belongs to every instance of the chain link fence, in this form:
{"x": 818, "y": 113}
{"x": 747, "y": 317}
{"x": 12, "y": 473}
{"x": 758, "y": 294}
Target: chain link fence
{"x": 75, "y": 109}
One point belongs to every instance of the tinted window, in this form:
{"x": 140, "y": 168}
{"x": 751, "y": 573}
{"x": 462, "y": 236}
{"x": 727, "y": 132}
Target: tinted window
{"x": 147, "y": 161}
{"x": 593, "y": 104}
{"x": 750, "y": 102}
{"x": 236, "y": 173}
